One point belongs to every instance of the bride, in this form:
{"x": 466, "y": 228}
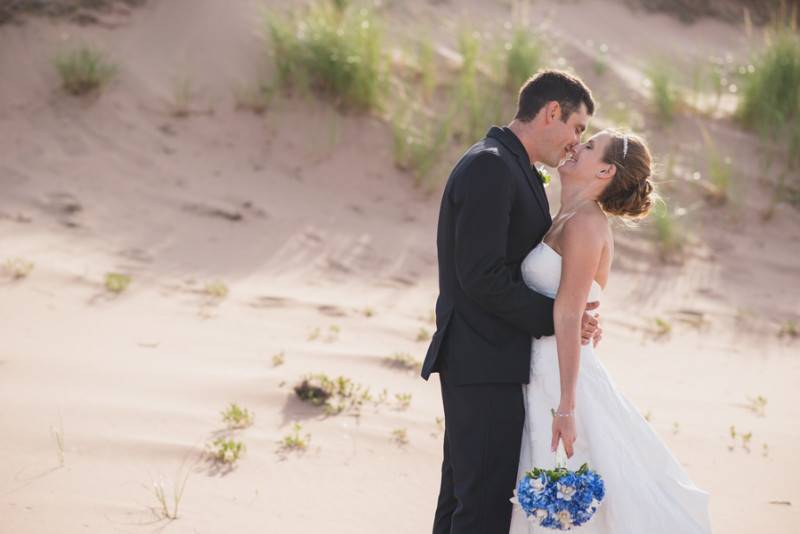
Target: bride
{"x": 647, "y": 490}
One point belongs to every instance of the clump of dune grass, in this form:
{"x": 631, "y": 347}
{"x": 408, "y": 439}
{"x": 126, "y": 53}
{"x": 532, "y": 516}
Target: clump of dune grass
{"x": 278, "y": 359}
{"x": 419, "y": 143}
{"x": 117, "y": 282}
{"x": 665, "y": 96}
{"x": 400, "y": 436}
{"x": 83, "y": 69}
{"x": 669, "y": 242}
{"x": 237, "y": 417}
{"x": 789, "y": 329}
{"x": 335, "y": 395}
{"x": 758, "y": 405}
{"x": 745, "y": 438}
{"x": 478, "y": 99}
{"x": 334, "y": 50}
{"x": 256, "y": 99}
{"x": 403, "y": 400}
{"x": 720, "y": 171}
{"x": 523, "y": 58}
{"x": 423, "y": 334}
{"x": 662, "y": 327}
{"x": 167, "y": 507}
{"x": 403, "y": 360}
{"x": 600, "y": 64}
{"x": 18, "y": 268}
{"x": 770, "y": 99}
{"x": 58, "y": 437}
{"x": 426, "y": 66}
{"x": 216, "y": 289}
{"x": 183, "y": 93}
{"x": 226, "y": 450}
{"x": 295, "y": 441}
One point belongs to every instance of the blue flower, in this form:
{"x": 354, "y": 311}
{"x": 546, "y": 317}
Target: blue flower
{"x": 559, "y": 499}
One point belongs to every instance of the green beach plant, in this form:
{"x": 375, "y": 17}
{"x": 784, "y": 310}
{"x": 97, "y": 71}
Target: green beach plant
{"x": 669, "y": 243}
{"x": 295, "y": 441}
{"x": 333, "y": 49}
{"x": 770, "y": 99}
{"x": 18, "y": 268}
{"x": 237, "y": 417}
{"x": 117, "y": 282}
{"x": 83, "y": 69}
{"x": 216, "y": 289}
{"x": 400, "y": 437}
{"x": 523, "y": 58}
{"x": 226, "y": 450}
{"x": 168, "y": 507}
{"x": 664, "y": 94}
{"x": 256, "y": 99}
{"x": 403, "y": 360}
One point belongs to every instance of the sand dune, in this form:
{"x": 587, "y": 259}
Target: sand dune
{"x": 329, "y": 256}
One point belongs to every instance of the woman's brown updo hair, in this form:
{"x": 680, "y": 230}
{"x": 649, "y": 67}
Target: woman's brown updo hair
{"x": 630, "y": 193}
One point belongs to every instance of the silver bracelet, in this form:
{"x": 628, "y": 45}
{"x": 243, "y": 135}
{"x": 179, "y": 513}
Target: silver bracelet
{"x": 560, "y": 414}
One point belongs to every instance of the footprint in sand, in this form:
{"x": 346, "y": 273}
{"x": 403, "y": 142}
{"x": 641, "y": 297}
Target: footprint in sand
{"x": 64, "y": 206}
{"x": 206, "y": 210}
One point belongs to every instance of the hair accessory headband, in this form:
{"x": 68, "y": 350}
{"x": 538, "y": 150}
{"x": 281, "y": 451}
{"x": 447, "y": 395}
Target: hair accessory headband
{"x": 624, "y": 146}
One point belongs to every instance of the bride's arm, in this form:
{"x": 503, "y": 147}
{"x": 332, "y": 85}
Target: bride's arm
{"x": 581, "y": 242}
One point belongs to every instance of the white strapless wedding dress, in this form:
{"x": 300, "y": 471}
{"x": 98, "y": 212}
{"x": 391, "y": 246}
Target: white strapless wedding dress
{"x": 647, "y": 490}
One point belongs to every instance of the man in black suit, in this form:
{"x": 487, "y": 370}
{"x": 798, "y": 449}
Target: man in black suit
{"x": 493, "y": 212}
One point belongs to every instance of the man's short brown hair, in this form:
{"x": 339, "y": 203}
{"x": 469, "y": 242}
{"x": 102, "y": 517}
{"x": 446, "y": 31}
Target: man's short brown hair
{"x": 553, "y": 85}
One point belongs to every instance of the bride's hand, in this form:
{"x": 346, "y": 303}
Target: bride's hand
{"x": 590, "y": 325}
{"x": 564, "y": 429}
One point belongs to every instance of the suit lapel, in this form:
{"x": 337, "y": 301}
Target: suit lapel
{"x": 512, "y": 143}
{"x": 536, "y": 185}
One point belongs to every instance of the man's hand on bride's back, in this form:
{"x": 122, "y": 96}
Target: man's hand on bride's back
{"x": 590, "y": 325}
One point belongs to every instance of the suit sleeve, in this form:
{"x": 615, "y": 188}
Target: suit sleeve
{"x": 483, "y": 197}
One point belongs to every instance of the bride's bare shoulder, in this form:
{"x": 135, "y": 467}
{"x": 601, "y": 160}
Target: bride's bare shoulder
{"x": 588, "y": 223}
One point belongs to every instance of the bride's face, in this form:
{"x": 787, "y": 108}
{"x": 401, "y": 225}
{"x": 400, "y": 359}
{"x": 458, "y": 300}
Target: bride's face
{"x": 586, "y": 162}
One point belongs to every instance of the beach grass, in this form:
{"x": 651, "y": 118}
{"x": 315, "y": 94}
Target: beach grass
{"x": 117, "y": 282}
{"x": 234, "y": 416}
{"x": 83, "y": 69}
{"x": 334, "y": 50}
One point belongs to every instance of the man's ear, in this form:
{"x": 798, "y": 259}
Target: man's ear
{"x": 552, "y": 112}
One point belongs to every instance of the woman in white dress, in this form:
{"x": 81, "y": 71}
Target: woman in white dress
{"x": 647, "y": 490}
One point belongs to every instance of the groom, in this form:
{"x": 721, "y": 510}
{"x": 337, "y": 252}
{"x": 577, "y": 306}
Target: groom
{"x": 493, "y": 212}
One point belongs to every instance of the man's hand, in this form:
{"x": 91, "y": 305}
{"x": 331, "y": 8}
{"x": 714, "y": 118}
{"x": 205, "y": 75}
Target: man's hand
{"x": 590, "y": 325}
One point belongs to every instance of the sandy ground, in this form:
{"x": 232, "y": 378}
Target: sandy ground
{"x": 329, "y": 254}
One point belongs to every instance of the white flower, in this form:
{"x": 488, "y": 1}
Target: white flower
{"x": 565, "y": 518}
{"x": 537, "y": 516}
{"x": 537, "y": 485}
{"x": 565, "y": 492}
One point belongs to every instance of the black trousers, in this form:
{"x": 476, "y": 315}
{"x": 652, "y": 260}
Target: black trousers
{"x": 483, "y": 431}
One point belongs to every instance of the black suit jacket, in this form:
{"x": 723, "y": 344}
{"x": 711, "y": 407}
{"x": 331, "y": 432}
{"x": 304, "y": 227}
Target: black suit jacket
{"x": 493, "y": 212}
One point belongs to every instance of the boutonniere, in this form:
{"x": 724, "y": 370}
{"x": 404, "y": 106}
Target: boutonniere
{"x": 545, "y": 175}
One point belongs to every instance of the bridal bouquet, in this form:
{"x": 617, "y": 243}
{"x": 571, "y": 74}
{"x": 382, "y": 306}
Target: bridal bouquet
{"x": 559, "y": 498}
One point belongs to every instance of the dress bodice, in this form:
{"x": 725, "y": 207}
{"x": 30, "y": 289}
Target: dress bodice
{"x": 541, "y": 271}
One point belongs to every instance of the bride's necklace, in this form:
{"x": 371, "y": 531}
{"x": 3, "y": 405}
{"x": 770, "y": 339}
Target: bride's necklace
{"x": 565, "y": 215}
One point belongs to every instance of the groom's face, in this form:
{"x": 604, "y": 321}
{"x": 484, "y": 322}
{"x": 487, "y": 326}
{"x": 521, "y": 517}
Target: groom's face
{"x": 563, "y": 135}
